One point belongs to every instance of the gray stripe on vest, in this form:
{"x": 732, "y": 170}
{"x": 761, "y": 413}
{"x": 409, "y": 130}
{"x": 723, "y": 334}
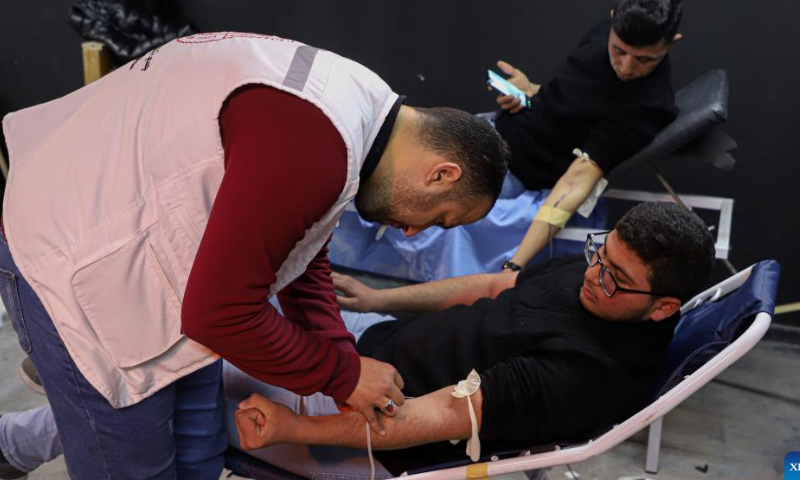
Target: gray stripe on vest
{"x": 300, "y": 68}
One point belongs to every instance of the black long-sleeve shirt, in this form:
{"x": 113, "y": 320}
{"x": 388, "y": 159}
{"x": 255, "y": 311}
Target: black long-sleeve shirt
{"x": 550, "y": 370}
{"x": 586, "y": 106}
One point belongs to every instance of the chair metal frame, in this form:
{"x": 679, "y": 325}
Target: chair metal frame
{"x": 720, "y": 204}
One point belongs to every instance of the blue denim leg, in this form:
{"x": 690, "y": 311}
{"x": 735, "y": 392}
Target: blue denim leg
{"x": 29, "y": 439}
{"x": 101, "y": 442}
{"x": 200, "y": 436}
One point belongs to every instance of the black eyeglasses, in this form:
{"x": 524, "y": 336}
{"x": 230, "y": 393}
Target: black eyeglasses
{"x": 610, "y": 288}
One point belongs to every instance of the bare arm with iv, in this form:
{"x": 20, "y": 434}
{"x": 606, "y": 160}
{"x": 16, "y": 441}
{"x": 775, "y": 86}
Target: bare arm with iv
{"x": 568, "y": 194}
{"x": 433, "y": 417}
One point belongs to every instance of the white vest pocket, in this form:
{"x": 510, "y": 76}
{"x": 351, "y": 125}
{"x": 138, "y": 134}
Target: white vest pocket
{"x": 130, "y": 300}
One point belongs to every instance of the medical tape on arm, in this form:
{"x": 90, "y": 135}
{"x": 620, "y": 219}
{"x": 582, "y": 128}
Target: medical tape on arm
{"x": 466, "y": 388}
{"x": 558, "y": 217}
{"x": 580, "y": 153}
{"x": 587, "y": 206}
{"x": 552, "y": 215}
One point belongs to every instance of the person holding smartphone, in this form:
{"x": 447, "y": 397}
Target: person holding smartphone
{"x": 606, "y": 102}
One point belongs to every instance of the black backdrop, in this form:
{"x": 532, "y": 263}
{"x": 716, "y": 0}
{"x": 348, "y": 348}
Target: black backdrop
{"x": 436, "y": 52}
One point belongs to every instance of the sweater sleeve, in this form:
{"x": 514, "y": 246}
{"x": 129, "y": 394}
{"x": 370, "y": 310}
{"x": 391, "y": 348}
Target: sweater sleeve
{"x": 534, "y": 401}
{"x": 610, "y": 143}
{"x": 311, "y": 302}
{"x": 285, "y": 165}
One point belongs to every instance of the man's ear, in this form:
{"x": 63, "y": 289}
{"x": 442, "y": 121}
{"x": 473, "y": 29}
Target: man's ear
{"x": 676, "y": 38}
{"x": 663, "y": 308}
{"x": 612, "y": 13}
{"x": 445, "y": 173}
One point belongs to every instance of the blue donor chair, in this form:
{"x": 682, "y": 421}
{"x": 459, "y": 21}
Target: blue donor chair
{"x": 717, "y": 328}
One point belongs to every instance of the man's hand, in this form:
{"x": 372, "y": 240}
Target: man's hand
{"x": 357, "y": 296}
{"x": 517, "y": 78}
{"x": 379, "y": 382}
{"x": 260, "y": 422}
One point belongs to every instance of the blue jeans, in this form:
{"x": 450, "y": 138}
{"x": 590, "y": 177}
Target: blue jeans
{"x": 176, "y": 433}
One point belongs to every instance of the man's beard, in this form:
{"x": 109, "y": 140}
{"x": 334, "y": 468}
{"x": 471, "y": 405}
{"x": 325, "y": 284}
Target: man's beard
{"x": 374, "y": 199}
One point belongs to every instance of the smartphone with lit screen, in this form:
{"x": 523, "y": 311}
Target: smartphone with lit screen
{"x": 506, "y": 88}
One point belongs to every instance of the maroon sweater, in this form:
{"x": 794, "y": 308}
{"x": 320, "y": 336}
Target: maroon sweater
{"x": 285, "y": 166}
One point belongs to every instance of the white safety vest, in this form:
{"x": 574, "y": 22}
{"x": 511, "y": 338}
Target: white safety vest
{"x": 111, "y": 186}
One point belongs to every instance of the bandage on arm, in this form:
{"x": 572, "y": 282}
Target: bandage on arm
{"x": 466, "y": 389}
{"x": 571, "y": 190}
{"x": 555, "y": 216}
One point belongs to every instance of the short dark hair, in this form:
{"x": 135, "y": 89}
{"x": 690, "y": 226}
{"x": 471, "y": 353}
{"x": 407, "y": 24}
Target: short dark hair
{"x": 472, "y": 143}
{"x": 646, "y": 22}
{"x": 675, "y": 245}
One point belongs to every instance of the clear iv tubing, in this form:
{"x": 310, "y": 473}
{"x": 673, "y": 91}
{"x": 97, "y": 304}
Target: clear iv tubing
{"x": 369, "y": 452}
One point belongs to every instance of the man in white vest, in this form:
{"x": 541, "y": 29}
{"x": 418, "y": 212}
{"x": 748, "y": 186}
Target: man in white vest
{"x": 151, "y": 215}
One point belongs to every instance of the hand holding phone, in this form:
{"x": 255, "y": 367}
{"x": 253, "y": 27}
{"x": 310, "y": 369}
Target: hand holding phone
{"x": 506, "y": 88}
